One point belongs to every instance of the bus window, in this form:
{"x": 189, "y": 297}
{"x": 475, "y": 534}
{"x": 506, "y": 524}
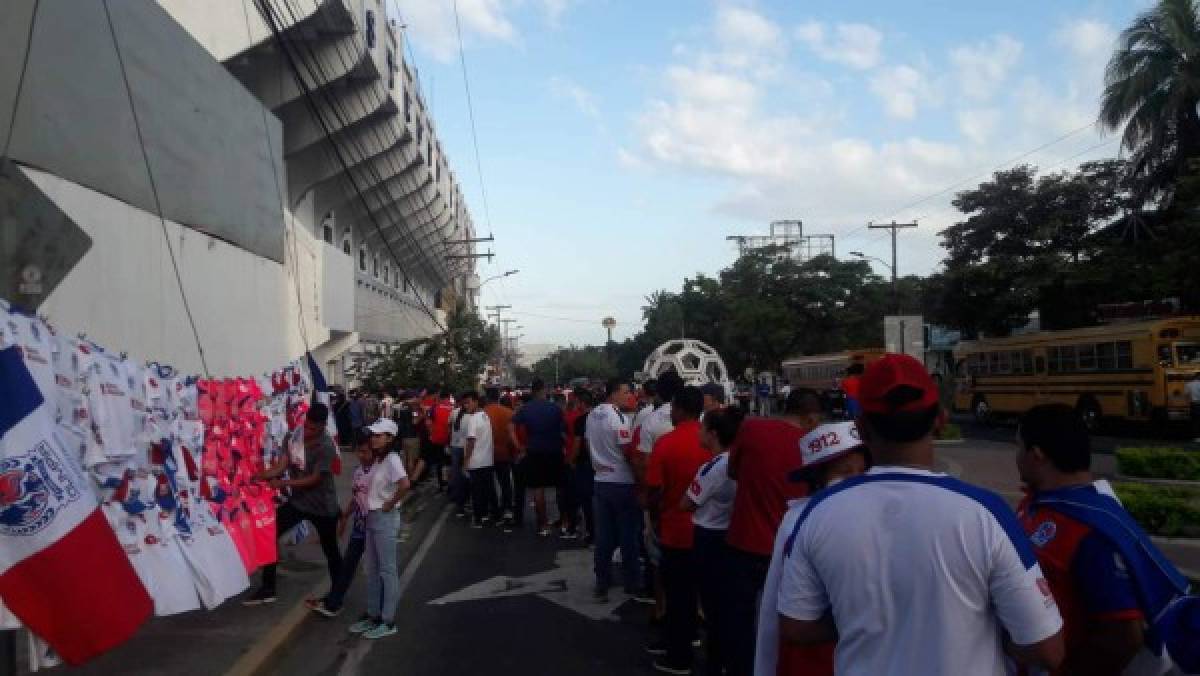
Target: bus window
{"x": 1106, "y": 356}
{"x": 1125, "y": 355}
{"x": 1087, "y": 357}
{"x": 1187, "y": 354}
{"x": 1164, "y": 356}
{"x": 1040, "y": 364}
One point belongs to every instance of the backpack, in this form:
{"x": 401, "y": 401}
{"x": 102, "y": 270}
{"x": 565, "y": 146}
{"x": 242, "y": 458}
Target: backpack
{"x": 1171, "y": 610}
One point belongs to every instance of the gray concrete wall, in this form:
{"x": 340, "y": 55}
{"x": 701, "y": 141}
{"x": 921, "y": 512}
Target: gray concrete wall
{"x": 211, "y": 150}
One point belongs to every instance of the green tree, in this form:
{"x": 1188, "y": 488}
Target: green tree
{"x": 455, "y": 357}
{"x": 1151, "y": 89}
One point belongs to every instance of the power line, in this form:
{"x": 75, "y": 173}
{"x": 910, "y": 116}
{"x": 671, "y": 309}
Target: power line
{"x": 137, "y": 126}
{"x": 462, "y": 59}
{"x": 12, "y": 120}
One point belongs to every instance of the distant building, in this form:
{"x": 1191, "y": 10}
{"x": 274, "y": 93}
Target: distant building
{"x": 791, "y": 241}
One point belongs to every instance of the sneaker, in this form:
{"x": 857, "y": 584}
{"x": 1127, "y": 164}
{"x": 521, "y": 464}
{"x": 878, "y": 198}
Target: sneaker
{"x": 476, "y": 524}
{"x": 506, "y": 527}
{"x": 362, "y": 626}
{"x": 568, "y": 535}
{"x": 508, "y": 515}
{"x": 381, "y": 630}
{"x": 668, "y": 668}
{"x": 318, "y": 606}
{"x": 644, "y": 597}
{"x": 657, "y": 648}
{"x": 697, "y": 642}
{"x": 460, "y": 514}
{"x": 486, "y": 519}
{"x": 545, "y": 532}
{"x": 260, "y": 597}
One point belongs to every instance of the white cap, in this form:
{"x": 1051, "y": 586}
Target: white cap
{"x": 385, "y": 426}
{"x": 829, "y": 441}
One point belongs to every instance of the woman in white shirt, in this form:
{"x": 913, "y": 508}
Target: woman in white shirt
{"x": 388, "y": 483}
{"x": 460, "y": 487}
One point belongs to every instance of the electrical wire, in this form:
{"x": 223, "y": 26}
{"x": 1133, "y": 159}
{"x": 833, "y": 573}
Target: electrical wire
{"x": 462, "y": 58}
{"x": 286, "y": 46}
{"x": 154, "y": 188}
{"x": 12, "y": 120}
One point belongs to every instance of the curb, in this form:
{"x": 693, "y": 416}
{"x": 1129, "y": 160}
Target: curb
{"x": 262, "y": 655}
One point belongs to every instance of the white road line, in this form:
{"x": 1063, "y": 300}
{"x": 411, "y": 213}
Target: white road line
{"x": 356, "y": 655}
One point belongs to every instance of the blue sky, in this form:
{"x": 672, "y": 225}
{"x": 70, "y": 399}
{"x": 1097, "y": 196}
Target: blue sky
{"x": 621, "y": 142}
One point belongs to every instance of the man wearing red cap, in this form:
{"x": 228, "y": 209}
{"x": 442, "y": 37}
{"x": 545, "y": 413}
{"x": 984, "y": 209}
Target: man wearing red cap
{"x": 911, "y": 570}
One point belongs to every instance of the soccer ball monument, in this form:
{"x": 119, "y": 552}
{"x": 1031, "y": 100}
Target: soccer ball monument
{"x": 695, "y": 362}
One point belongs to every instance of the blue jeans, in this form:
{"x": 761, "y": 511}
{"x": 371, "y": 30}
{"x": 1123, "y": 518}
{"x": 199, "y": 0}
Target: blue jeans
{"x": 459, "y": 484}
{"x": 383, "y": 575}
{"x": 350, "y": 558}
{"x": 618, "y": 520}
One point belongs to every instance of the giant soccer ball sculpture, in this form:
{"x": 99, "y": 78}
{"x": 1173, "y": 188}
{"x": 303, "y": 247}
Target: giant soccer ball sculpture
{"x": 694, "y": 361}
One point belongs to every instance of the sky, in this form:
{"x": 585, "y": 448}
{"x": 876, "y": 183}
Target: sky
{"x": 621, "y": 142}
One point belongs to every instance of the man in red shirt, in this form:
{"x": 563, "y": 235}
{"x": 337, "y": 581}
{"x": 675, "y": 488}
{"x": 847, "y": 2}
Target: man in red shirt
{"x": 433, "y": 452}
{"x": 762, "y": 460}
{"x": 676, "y": 458}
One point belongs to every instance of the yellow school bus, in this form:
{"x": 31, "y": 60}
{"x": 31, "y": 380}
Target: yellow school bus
{"x": 824, "y": 372}
{"x": 1134, "y": 371}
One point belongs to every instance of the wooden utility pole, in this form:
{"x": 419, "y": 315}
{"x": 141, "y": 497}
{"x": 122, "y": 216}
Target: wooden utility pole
{"x": 893, "y": 226}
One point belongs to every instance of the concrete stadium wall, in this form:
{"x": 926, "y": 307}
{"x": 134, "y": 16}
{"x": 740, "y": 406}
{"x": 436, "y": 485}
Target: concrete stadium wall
{"x": 214, "y": 155}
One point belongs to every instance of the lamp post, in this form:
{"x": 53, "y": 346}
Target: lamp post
{"x": 499, "y": 276}
{"x": 891, "y": 268}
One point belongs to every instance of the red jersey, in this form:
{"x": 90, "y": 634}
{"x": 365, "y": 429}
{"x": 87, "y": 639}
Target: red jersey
{"x": 1086, "y": 574}
{"x": 763, "y": 456}
{"x": 439, "y": 432}
{"x": 676, "y": 459}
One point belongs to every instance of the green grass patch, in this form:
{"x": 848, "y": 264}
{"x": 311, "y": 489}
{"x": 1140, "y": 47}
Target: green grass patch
{"x": 1159, "y": 463}
{"x": 1170, "y": 511}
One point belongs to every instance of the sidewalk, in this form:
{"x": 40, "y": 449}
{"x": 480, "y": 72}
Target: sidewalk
{"x": 234, "y": 638}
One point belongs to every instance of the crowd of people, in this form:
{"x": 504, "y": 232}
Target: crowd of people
{"x": 781, "y": 545}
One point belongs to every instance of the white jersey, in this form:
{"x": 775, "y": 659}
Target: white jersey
{"x": 458, "y": 428}
{"x": 478, "y": 426}
{"x": 217, "y": 569}
{"x": 116, "y": 429}
{"x": 713, "y": 491}
{"x": 895, "y": 542}
{"x": 766, "y": 647}
{"x": 607, "y": 431}
{"x": 653, "y": 426}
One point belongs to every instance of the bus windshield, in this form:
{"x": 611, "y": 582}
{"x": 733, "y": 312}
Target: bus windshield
{"x": 1187, "y": 354}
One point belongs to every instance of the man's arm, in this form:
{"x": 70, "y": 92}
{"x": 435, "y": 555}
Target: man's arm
{"x": 516, "y": 442}
{"x": 807, "y": 632}
{"x": 274, "y": 471}
{"x": 1047, "y": 653}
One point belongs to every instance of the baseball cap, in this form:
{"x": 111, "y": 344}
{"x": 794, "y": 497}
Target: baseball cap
{"x": 829, "y": 441}
{"x": 897, "y": 383}
{"x": 713, "y": 390}
{"x": 384, "y": 426}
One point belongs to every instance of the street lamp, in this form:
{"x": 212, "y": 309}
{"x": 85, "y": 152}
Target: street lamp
{"x": 895, "y": 287}
{"x": 495, "y": 277}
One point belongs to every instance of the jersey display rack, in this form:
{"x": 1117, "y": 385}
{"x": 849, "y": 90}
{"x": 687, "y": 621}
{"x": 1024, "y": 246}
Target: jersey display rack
{"x": 167, "y": 459}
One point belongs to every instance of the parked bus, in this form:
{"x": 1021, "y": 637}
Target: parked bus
{"x": 824, "y": 372}
{"x": 1134, "y": 371}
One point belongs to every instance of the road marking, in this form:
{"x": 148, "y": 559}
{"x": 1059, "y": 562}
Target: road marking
{"x": 357, "y": 653}
{"x": 568, "y": 584}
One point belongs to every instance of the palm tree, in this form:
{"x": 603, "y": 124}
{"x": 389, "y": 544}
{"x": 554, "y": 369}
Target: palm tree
{"x": 1152, "y": 88}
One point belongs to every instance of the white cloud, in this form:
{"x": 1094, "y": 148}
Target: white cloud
{"x": 555, "y": 9}
{"x": 583, "y": 99}
{"x": 901, "y": 88}
{"x": 983, "y": 67}
{"x": 855, "y": 45}
{"x": 978, "y": 124}
{"x": 1088, "y": 40}
{"x": 745, "y": 28}
{"x": 431, "y": 24}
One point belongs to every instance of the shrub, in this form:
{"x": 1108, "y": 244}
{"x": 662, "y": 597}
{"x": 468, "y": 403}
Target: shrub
{"x": 1159, "y": 463}
{"x": 951, "y": 432}
{"x": 1163, "y": 510}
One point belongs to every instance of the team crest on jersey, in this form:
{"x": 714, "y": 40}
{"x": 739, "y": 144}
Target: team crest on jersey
{"x": 34, "y": 488}
{"x": 35, "y": 331}
{"x": 1043, "y": 534}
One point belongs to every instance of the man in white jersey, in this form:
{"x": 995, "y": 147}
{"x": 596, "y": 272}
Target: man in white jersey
{"x": 912, "y": 571}
{"x": 618, "y": 515}
{"x": 651, "y": 425}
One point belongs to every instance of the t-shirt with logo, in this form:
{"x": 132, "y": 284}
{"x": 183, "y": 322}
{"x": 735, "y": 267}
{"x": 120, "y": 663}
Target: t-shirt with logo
{"x": 1087, "y": 576}
{"x": 359, "y": 486}
{"x": 439, "y": 428}
{"x": 385, "y": 473}
{"x": 921, "y": 572}
{"x": 673, "y": 464}
{"x": 479, "y": 428}
{"x": 713, "y": 492}
{"x": 763, "y": 456}
{"x": 607, "y": 431}
{"x": 544, "y": 426}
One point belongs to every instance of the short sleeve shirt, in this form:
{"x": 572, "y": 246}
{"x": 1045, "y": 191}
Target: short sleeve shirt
{"x": 764, "y": 455}
{"x": 544, "y": 425}
{"x": 673, "y": 464}
{"x": 607, "y": 431}
{"x": 500, "y": 416}
{"x": 713, "y": 491}
{"x": 479, "y": 428}
{"x": 873, "y": 549}
{"x": 321, "y": 499}
{"x": 385, "y": 474}
{"x": 654, "y": 425}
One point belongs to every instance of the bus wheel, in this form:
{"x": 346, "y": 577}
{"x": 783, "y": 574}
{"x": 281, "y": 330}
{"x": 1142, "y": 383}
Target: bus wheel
{"x": 1089, "y": 410}
{"x": 982, "y": 410}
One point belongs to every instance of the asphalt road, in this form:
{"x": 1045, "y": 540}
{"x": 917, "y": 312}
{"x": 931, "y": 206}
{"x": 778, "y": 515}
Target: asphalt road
{"x": 483, "y": 601}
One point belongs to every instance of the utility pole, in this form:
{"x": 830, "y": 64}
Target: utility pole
{"x": 500, "y": 358}
{"x": 507, "y": 366}
{"x": 893, "y": 226}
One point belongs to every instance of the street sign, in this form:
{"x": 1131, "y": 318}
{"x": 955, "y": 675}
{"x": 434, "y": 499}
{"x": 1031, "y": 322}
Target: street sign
{"x": 39, "y": 244}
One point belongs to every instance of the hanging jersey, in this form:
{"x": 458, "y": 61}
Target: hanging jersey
{"x": 174, "y": 590}
{"x": 213, "y": 559}
{"x": 34, "y": 341}
{"x": 113, "y": 424}
{"x": 714, "y": 492}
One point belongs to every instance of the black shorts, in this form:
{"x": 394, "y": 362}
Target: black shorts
{"x": 433, "y": 454}
{"x": 542, "y": 470}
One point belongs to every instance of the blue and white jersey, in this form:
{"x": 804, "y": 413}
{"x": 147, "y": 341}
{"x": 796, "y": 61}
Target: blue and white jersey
{"x": 713, "y": 491}
{"x": 921, "y": 572}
